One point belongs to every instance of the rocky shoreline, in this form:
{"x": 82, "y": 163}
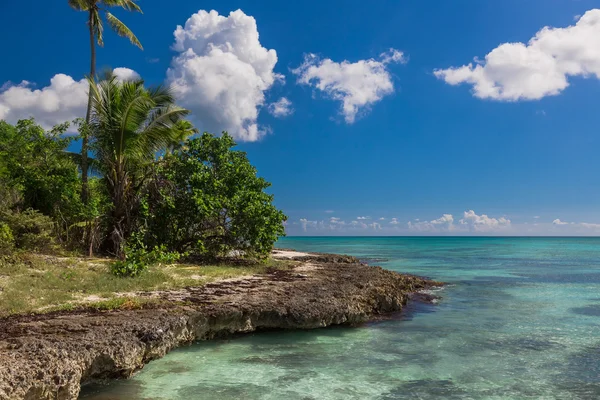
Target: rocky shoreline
{"x": 50, "y": 356}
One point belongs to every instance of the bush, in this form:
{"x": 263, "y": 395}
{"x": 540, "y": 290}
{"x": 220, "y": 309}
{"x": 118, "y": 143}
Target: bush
{"x": 30, "y": 229}
{"x": 7, "y": 240}
{"x": 209, "y": 200}
{"x": 137, "y": 260}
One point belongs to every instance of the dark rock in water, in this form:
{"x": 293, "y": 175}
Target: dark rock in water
{"x": 49, "y": 356}
{"x": 372, "y": 260}
{"x": 424, "y": 297}
{"x": 426, "y": 389}
{"x": 591, "y": 310}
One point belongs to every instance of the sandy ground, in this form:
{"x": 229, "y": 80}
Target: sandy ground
{"x": 288, "y": 254}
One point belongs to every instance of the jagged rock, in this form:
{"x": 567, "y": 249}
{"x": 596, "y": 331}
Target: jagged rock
{"x": 49, "y": 356}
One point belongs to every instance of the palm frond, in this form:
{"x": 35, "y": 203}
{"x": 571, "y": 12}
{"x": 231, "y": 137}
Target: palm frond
{"x": 128, "y": 5}
{"x": 122, "y": 30}
{"x": 98, "y": 27}
{"x": 130, "y": 124}
{"x": 93, "y": 164}
{"x": 79, "y": 5}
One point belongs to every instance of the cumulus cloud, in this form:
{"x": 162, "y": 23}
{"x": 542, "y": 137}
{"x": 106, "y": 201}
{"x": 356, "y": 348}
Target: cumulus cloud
{"x": 356, "y": 85}
{"x": 362, "y": 218}
{"x": 483, "y": 223}
{"x": 281, "y": 108}
{"x": 375, "y": 226}
{"x": 576, "y": 225}
{"x": 306, "y": 224}
{"x": 63, "y": 100}
{"x": 588, "y": 225}
{"x": 222, "y": 72}
{"x": 336, "y": 221}
{"x": 518, "y": 71}
{"x": 394, "y": 221}
{"x": 442, "y": 224}
{"x": 126, "y": 74}
{"x": 471, "y": 222}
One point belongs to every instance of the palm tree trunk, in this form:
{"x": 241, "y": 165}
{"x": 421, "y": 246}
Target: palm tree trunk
{"x": 88, "y": 115}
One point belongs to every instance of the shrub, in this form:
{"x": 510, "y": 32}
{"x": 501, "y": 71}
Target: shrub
{"x": 7, "y": 240}
{"x": 138, "y": 259}
{"x": 209, "y": 200}
{"x": 30, "y": 229}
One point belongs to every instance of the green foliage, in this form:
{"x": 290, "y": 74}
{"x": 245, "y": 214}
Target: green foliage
{"x": 129, "y": 125}
{"x": 36, "y": 172}
{"x": 208, "y": 200}
{"x": 138, "y": 257}
{"x": 137, "y": 260}
{"x": 93, "y": 7}
{"x": 31, "y": 230}
{"x": 7, "y": 240}
{"x": 36, "y": 163}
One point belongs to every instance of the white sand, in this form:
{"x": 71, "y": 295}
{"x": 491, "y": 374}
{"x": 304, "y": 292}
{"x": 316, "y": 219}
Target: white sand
{"x": 288, "y": 254}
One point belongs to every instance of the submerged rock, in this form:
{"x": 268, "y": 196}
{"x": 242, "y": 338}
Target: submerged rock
{"x": 49, "y": 356}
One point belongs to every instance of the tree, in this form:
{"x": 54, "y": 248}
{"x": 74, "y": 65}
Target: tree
{"x": 129, "y": 124}
{"x": 95, "y": 27}
{"x": 183, "y": 130}
{"x": 39, "y": 185}
{"x": 208, "y": 200}
{"x": 35, "y": 163}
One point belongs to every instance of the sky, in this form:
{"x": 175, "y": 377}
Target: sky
{"x": 413, "y": 117}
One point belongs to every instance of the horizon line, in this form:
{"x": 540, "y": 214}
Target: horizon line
{"x": 442, "y": 236}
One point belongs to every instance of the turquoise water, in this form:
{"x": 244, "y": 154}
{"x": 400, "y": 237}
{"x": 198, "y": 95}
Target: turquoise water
{"x": 519, "y": 319}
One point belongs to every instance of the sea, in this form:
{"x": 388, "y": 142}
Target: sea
{"x": 519, "y": 318}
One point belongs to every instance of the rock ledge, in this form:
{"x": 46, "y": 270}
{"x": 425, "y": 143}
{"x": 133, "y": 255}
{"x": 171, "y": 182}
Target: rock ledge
{"x": 49, "y": 356}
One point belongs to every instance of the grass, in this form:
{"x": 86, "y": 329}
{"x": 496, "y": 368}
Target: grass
{"x": 37, "y": 283}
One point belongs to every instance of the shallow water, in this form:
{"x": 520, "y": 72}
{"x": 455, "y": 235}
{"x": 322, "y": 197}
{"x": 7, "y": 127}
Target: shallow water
{"x": 519, "y": 319}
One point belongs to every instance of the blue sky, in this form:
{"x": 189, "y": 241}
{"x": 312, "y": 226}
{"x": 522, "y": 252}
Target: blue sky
{"x": 507, "y": 146}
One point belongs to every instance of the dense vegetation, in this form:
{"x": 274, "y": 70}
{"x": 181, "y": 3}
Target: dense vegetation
{"x": 156, "y": 192}
{"x": 139, "y": 190}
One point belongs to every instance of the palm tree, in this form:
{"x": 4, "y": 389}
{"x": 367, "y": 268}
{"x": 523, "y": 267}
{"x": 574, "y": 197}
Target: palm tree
{"x": 93, "y": 8}
{"x": 129, "y": 124}
{"x": 183, "y": 130}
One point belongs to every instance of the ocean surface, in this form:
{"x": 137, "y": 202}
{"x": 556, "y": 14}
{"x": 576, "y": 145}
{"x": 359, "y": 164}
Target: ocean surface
{"x": 519, "y": 319}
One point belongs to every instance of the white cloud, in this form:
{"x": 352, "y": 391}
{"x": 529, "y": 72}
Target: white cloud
{"x": 518, "y": 71}
{"x": 442, "y": 224}
{"x": 306, "y": 224}
{"x": 581, "y": 227}
{"x": 363, "y": 218}
{"x": 375, "y": 226}
{"x": 222, "y": 72}
{"x": 336, "y": 221}
{"x": 63, "y": 100}
{"x": 382, "y": 219}
{"x": 281, "y": 108}
{"x": 483, "y": 223}
{"x": 470, "y": 224}
{"x": 126, "y": 74}
{"x": 358, "y": 224}
{"x": 589, "y": 226}
{"x": 357, "y": 85}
